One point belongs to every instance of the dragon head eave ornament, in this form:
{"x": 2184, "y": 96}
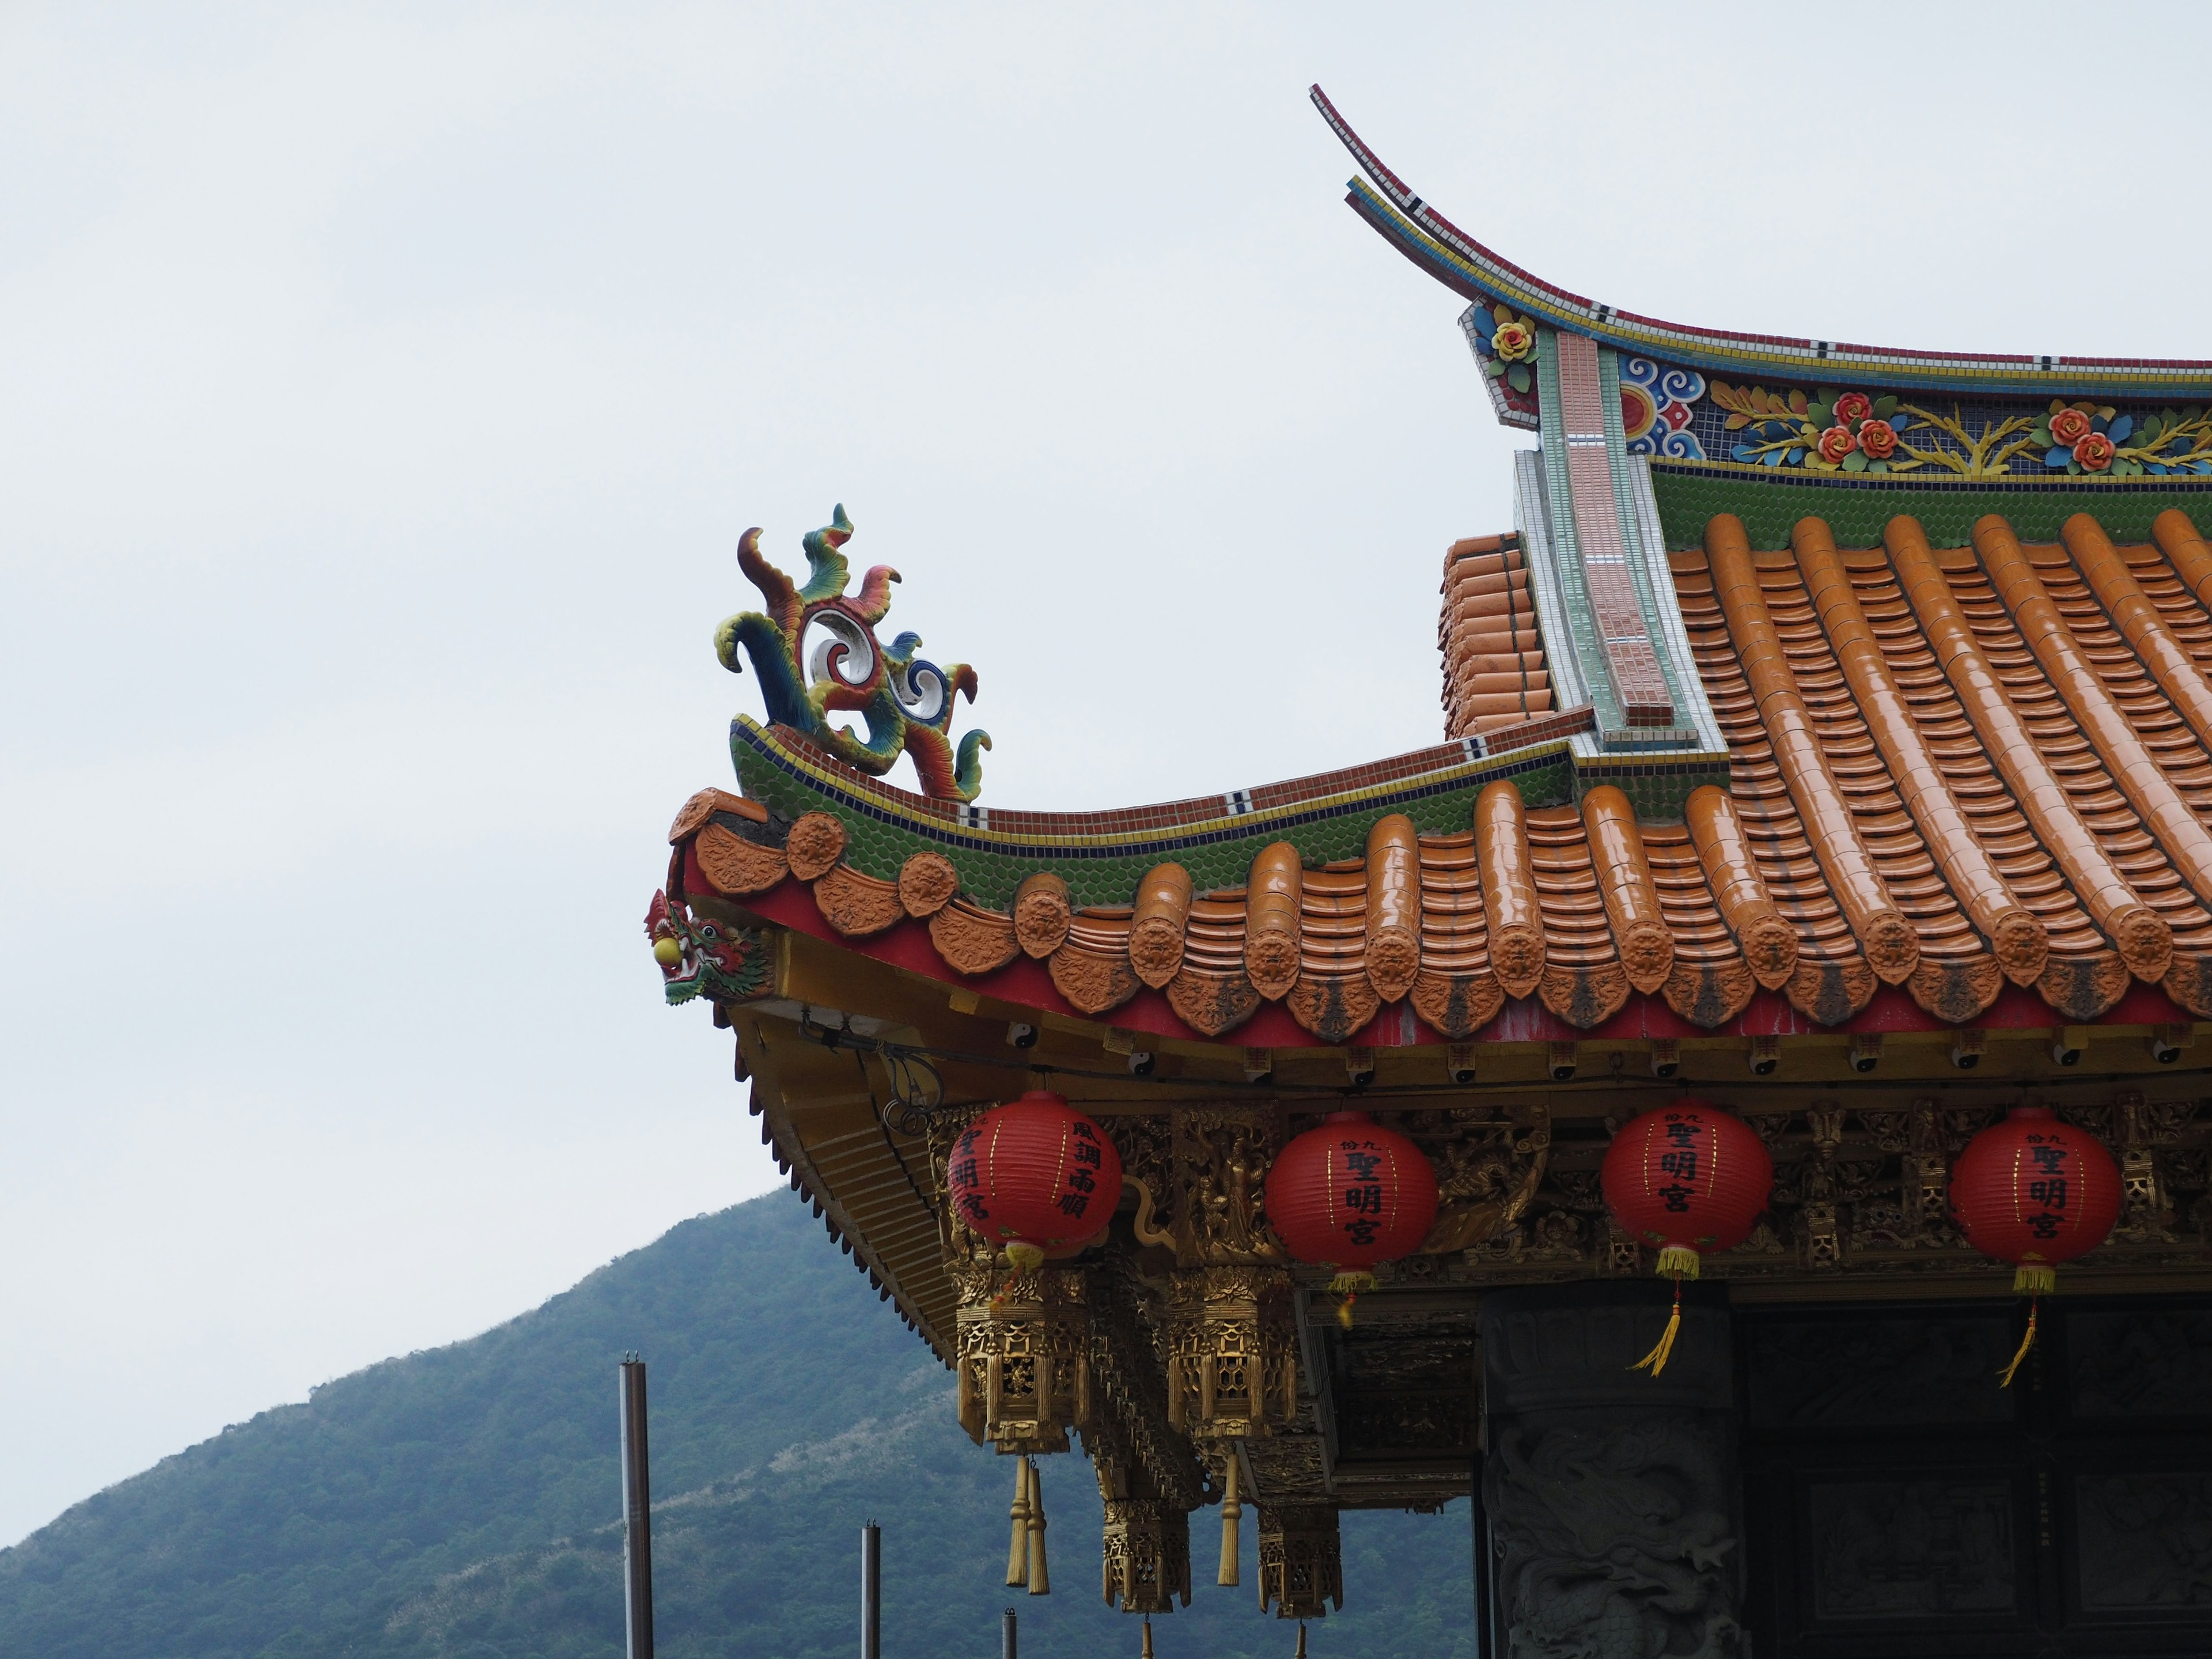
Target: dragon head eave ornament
{"x": 815, "y": 650}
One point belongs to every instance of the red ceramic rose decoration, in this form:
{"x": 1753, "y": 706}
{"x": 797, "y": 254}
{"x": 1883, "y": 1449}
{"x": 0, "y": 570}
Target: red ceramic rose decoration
{"x": 1852, "y": 408}
{"x": 1878, "y": 438}
{"x": 1836, "y": 443}
{"x": 2095, "y": 452}
{"x": 2069, "y": 426}
{"x": 1036, "y": 1176}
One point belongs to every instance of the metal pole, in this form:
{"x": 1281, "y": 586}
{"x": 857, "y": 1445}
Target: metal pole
{"x": 1485, "y": 1637}
{"x": 637, "y": 1513}
{"x": 1006, "y": 1636}
{"x": 872, "y": 1591}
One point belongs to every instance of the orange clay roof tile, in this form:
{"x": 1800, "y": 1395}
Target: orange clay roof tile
{"x": 1960, "y": 763}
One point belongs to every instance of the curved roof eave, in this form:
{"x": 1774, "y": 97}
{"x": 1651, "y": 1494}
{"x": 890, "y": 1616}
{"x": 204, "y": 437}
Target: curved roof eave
{"x": 1473, "y": 271}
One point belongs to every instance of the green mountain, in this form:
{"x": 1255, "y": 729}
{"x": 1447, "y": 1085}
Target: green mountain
{"x": 464, "y": 1503}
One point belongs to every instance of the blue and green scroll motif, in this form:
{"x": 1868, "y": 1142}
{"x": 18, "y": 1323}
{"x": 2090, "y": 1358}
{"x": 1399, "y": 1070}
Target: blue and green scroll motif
{"x": 815, "y": 652}
{"x": 1658, "y": 405}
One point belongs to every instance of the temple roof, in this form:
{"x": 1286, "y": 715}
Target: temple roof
{"x": 1982, "y": 777}
{"x": 1808, "y": 718}
{"x": 1473, "y": 270}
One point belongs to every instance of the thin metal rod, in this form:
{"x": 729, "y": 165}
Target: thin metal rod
{"x": 872, "y": 1591}
{"x": 637, "y": 1513}
{"x": 1485, "y": 1637}
{"x": 1006, "y": 1638}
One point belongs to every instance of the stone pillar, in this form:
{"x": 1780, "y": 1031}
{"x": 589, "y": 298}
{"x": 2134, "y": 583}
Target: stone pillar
{"x": 1614, "y": 1504}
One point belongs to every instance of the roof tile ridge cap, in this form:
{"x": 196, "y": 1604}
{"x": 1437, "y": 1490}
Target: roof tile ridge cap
{"x": 2019, "y": 938}
{"x": 2175, "y": 534}
{"x": 1891, "y": 942}
{"x": 2137, "y": 620}
{"x": 1631, "y": 894}
{"x": 2140, "y": 777}
{"x": 2143, "y": 940}
{"x": 1769, "y": 943}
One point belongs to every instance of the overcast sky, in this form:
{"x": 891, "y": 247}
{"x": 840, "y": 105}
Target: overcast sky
{"x": 383, "y": 391}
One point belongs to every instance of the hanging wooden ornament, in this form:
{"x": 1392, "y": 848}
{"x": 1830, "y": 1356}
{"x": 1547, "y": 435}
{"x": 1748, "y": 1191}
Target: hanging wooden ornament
{"x": 1232, "y": 1511}
{"x": 1018, "y": 1549}
{"x": 1689, "y": 1178}
{"x": 1034, "y": 1176}
{"x": 2034, "y": 1192}
{"x": 1351, "y": 1195}
{"x": 1040, "y": 1582}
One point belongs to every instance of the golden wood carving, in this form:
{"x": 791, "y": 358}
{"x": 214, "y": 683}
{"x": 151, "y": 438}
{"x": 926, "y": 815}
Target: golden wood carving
{"x": 1301, "y": 1561}
{"x": 1232, "y": 1361}
{"x": 1487, "y": 1175}
{"x": 1024, "y": 1368}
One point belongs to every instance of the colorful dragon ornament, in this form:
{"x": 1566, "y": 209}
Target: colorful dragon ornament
{"x": 701, "y": 957}
{"x": 906, "y": 702}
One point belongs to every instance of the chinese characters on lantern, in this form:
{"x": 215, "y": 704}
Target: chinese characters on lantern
{"x": 1083, "y": 1174}
{"x": 1679, "y": 1160}
{"x": 965, "y": 1173}
{"x": 1363, "y": 1191}
{"x": 2046, "y": 1167}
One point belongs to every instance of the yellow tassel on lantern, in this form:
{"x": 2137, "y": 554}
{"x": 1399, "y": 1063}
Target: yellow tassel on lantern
{"x": 1147, "y": 1652}
{"x": 1017, "y": 1552}
{"x": 1349, "y": 1286}
{"x": 2032, "y": 1279}
{"x": 1301, "y": 1653}
{"x": 1039, "y": 1580}
{"x": 1680, "y": 1263}
{"x": 1231, "y": 1513}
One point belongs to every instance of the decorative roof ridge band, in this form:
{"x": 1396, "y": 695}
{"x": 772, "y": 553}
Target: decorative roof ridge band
{"x": 1477, "y": 273}
{"x": 1651, "y": 530}
{"x": 973, "y": 826}
{"x": 2023, "y": 483}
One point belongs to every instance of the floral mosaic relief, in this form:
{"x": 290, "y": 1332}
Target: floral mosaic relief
{"x": 1505, "y": 345}
{"x": 1828, "y": 430}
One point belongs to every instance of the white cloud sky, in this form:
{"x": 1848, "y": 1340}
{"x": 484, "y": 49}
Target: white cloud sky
{"x": 382, "y": 393}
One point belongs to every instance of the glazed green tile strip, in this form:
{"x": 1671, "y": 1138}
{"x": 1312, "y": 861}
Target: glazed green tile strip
{"x": 1218, "y": 853}
{"x": 1856, "y": 513}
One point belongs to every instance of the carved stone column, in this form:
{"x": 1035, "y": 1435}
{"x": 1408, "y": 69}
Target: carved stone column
{"x": 1614, "y": 1504}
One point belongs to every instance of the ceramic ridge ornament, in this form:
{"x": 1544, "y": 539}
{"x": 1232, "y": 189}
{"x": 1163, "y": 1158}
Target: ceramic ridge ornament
{"x": 1035, "y": 1176}
{"x": 1351, "y": 1195}
{"x": 2034, "y": 1192}
{"x": 1688, "y": 1177}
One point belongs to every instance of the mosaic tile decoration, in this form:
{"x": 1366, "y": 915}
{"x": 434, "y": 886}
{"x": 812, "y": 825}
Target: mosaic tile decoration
{"x": 1687, "y": 498}
{"x": 1477, "y": 274}
{"x": 1102, "y": 855}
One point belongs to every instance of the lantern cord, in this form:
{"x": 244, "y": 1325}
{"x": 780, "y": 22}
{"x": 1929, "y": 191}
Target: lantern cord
{"x": 1656, "y": 1359}
{"x": 2026, "y": 1343}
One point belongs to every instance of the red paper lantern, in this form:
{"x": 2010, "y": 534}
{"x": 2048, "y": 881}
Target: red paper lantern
{"x": 2034, "y": 1192}
{"x": 1350, "y": 1194}
{"x": 1035, "y": 1174}
{"x": 1689, "y": 1178}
